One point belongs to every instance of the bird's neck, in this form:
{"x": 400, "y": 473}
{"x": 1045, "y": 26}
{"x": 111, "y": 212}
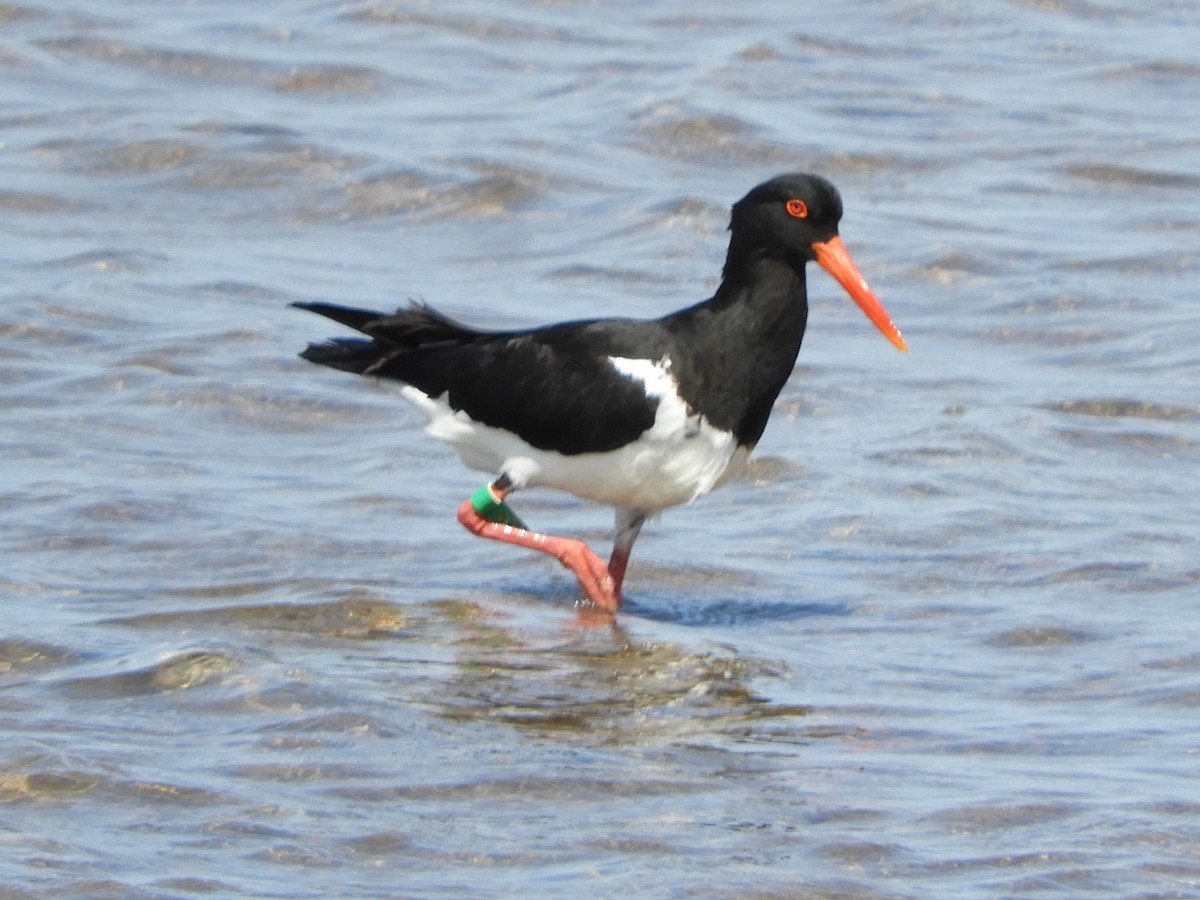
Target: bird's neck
{"x": 742, "y": 343}
{"x": 766, "y": 295}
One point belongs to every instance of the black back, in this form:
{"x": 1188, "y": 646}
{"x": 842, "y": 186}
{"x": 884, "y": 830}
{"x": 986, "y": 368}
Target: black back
{"x": 554, "y": 387}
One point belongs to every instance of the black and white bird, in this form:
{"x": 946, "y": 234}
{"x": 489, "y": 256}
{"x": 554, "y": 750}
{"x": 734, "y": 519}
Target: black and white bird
{"x": 638, "y": 414}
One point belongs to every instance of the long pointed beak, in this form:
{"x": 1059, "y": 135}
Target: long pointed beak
{"x": 834, "y": 258}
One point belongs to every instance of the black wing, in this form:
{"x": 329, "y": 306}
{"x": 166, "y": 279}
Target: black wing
{"x": 553, "y": 387}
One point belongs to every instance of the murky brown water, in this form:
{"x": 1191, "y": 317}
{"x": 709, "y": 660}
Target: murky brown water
{"x": 942, "y": 641}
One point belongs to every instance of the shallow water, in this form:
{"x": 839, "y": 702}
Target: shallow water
{"x": 941, "y": 641}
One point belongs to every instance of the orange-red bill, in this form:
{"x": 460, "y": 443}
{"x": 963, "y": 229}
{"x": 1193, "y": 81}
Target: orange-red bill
{"x": 834, "y": 258}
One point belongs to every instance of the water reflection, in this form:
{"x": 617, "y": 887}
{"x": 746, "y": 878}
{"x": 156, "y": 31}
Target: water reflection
{"x": 596, "y": 685}
{"x": 605, "y": 687}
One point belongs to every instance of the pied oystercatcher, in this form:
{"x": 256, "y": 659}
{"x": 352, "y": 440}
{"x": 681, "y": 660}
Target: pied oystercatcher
{"x": 638, "y": 414}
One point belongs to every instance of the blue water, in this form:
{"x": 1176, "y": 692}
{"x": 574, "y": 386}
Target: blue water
{"x": 941, "y": 641}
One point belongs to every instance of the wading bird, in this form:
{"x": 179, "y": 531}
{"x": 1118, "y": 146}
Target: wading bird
{"x": 639, "y": 414}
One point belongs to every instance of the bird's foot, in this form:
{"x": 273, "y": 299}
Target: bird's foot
{"x": 598, "y": 585}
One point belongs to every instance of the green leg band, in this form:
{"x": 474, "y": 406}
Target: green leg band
{"x": 495, "y": 510}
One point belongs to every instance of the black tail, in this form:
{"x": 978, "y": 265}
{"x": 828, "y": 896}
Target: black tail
{"x": 418, "y": 327}
{"x": 347, "y": 354}
{"x": 354, "y": 318}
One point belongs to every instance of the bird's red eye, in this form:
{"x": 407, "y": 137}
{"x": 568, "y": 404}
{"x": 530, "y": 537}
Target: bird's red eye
{"x": 798, "y": 209}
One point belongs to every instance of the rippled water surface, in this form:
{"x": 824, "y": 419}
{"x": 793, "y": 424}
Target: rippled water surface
{"x": 942, "y": 641}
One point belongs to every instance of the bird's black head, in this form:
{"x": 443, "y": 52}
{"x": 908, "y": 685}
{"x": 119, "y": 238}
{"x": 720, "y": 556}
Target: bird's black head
{"x": 794, "y": 219}
{"x": 785, "y": 216}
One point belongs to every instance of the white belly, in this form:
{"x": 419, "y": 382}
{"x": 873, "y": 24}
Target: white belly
{"x": 681, "y": 457}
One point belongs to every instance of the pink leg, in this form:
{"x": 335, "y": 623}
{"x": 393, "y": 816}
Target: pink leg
{"x": 628, "y": 525}
{"x": 598, "y": 585}
{"x": 617, "y": 564}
